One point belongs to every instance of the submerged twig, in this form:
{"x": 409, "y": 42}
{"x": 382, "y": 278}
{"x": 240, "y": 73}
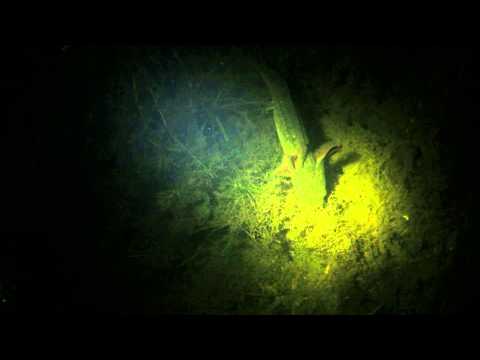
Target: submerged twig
{"x": 374, "y": 311}
{"x": 221, "y": 127}
{"x": 189, "y": 259}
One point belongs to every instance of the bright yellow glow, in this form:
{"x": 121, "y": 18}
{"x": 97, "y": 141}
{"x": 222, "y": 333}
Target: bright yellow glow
{"x": 352, "y": 211}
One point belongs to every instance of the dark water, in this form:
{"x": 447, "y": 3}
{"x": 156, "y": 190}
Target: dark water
{"x": 65, "y": 258}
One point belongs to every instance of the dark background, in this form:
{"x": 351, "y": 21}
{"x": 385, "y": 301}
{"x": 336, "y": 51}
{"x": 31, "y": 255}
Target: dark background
{"x": 53, "y": 219}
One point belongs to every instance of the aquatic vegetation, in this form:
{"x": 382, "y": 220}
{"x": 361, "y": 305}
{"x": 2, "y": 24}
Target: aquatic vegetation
{"x": 239, "y": 236}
